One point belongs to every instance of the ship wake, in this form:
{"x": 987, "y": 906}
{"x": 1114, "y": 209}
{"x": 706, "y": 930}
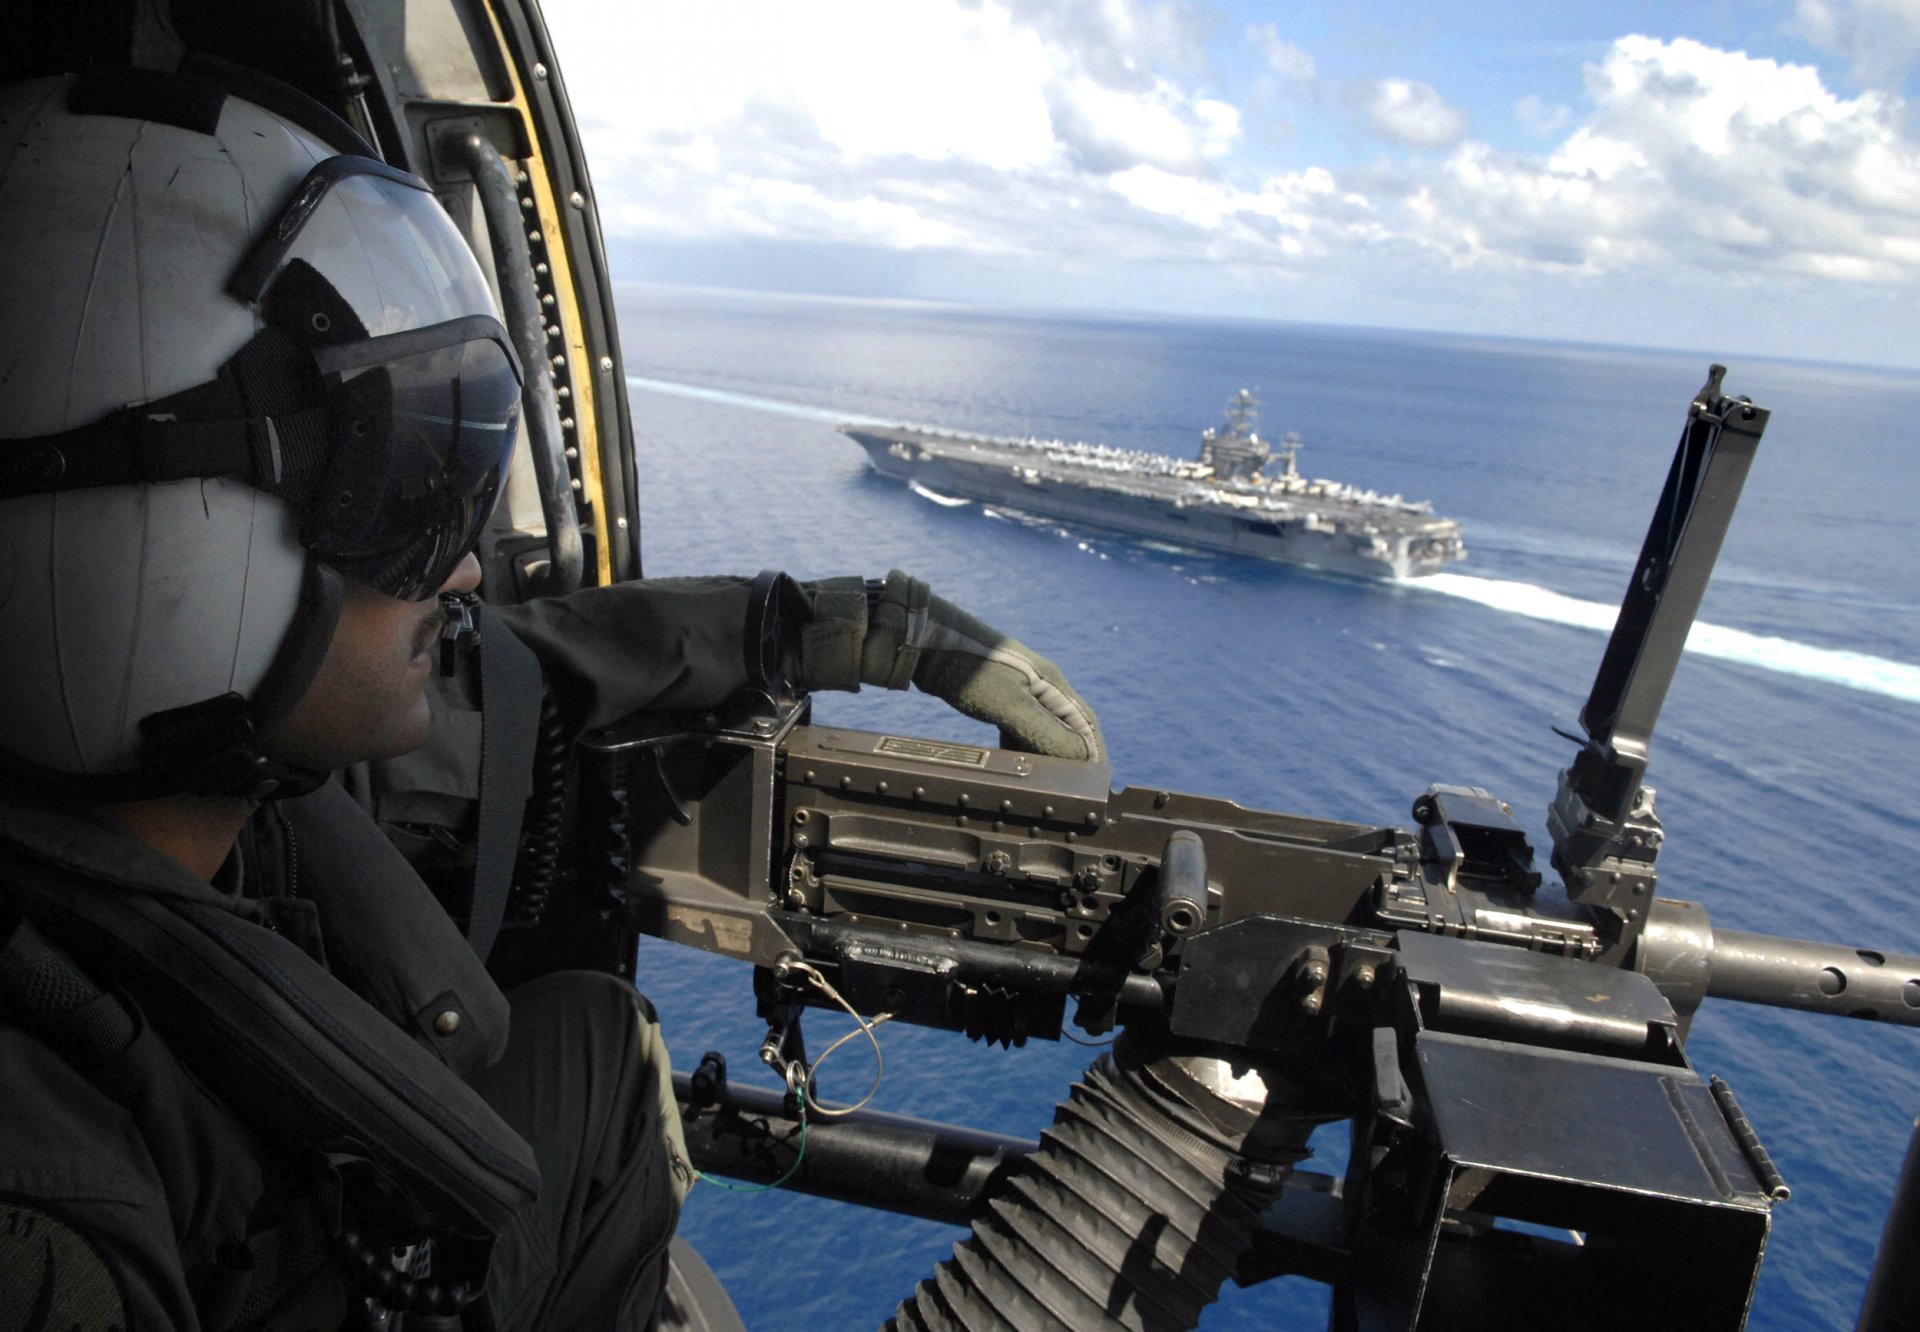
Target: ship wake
{"x": 748, "y": 401}
{"x": 944, "y": 501}
{"x": 1853, "y": 670}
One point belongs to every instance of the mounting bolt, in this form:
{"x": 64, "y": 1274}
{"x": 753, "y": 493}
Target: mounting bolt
{"x": 539, "y": 70}
{"x": 577, "y": 199}
{"x": 1364, "y": 976}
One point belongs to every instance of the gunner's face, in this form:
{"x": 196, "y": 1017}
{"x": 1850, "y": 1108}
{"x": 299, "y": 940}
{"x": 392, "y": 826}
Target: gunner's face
{"x": 369, "y": 699}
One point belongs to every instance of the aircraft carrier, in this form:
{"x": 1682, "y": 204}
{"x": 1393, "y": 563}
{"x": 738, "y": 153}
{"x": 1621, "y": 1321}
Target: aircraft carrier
{"x": 1225, "y": 500}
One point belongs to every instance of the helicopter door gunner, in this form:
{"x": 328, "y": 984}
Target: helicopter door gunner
{"x": 256, "y": 405}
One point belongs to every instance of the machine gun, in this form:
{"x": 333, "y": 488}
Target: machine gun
{"x": 1529, "y": 1139}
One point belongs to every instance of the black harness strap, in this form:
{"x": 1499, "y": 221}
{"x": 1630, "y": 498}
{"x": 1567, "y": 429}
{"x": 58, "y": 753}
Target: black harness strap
{"x": 510, "y": 685}
{"x": 286, "y": 1044}
{"x": 261, "y": 419}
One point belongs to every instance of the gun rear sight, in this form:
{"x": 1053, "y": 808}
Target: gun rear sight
{"x": 1606, "y": 834}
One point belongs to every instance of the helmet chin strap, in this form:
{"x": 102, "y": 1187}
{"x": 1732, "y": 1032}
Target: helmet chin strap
{"x": 213, "y": 747}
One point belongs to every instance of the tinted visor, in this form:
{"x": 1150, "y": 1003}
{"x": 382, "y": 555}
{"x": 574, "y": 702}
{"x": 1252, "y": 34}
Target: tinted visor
{"x": 424, "y": 424}
{"x": 421, "y": 408}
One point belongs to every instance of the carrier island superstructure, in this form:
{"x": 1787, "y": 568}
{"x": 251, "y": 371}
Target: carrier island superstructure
{"x": 1225, "y": 500}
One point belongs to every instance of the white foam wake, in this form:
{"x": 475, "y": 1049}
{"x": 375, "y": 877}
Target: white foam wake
{"x": 746, "y": 400}
{"x": 1855, "y": 670}
{"x": 944, "y": 501}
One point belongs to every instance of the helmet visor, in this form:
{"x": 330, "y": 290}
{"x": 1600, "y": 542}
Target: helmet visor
{"x": 424, "y": 424}
{"x": 380, "y": 236}
{"x": 423, "y": 390}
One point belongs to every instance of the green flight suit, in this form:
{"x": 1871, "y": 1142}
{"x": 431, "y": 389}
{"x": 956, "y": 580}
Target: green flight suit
{"x": 183, "y": 1209}
{"x": 188, "y": 1217}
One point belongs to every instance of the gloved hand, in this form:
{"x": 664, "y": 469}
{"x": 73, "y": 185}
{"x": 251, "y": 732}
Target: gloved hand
{"x": 900, "y": 633}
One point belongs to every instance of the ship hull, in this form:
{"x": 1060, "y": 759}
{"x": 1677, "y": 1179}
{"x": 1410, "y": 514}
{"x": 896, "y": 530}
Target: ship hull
{"x": 1293, "y": 539}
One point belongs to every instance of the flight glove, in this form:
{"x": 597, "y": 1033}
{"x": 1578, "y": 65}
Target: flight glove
{"x": 678, "y": 643}
{"x": 896, "y": 632}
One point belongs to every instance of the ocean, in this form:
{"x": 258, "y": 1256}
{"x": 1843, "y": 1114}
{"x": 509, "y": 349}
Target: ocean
{"x": 1786, "y": 760}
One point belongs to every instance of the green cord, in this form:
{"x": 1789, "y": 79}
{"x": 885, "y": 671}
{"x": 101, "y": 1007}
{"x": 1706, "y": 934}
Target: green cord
{"x": 801, "y": 1155}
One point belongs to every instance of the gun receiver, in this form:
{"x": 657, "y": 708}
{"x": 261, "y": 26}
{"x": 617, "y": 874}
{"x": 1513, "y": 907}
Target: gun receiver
{"x": 1421, "y": 983}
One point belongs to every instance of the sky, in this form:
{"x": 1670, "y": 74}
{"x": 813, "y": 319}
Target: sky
{"x": 1721, "y": 177}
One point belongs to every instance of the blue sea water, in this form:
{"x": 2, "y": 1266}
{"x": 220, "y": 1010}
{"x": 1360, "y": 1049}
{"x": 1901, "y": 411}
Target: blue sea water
{"x": 1787, "y": 759}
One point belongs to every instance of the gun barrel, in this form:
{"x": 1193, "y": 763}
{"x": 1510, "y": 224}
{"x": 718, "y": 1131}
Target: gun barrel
{"x": 1819, "y": 977}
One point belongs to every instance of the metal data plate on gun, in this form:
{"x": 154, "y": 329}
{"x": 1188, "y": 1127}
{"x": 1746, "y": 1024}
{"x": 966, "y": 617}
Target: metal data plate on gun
{"x": 994, "y": 784}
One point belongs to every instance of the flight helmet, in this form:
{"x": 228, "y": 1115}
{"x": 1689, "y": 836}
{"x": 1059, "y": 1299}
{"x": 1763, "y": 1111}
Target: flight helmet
{"x": 241, "y": 361}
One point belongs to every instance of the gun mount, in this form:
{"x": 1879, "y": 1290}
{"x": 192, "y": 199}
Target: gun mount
{"x": 1510, "y": 1053}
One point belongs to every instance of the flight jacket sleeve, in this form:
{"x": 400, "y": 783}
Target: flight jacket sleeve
{"x": 667, "y": 643}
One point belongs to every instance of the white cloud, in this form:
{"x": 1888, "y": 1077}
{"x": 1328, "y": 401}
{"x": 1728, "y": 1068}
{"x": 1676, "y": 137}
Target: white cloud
{"x": 1539, "y": 119}
{"x": 1103, "y": 128}
{"x": 1698, "y": 158}
{"x": 1290, "y": 62}
{"x": 848, "y": 113}
{"x": 1688, "y": 159}
{"x": 1052, "y": 132}
{"x": 874, "y": 80}
{"x": 1410, "y": 112}
{"x": 1880, "y": 37}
